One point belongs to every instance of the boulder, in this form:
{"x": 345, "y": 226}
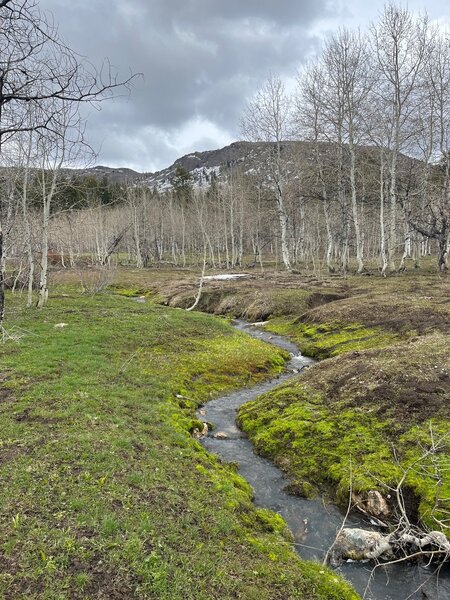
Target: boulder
{"x": 201, "y": 433}
{"x": 373, "y": 504}
{"x": 359, "y": 544}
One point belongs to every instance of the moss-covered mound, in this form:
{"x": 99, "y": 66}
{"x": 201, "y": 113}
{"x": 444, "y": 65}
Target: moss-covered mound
{"x": 365, "y": 417}
{"x": 323, "y": 340}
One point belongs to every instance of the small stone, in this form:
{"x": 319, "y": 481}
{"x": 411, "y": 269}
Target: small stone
{"x": 200, "y": 434}
{"x": 376, "y": 505}
{"x": 60, "y": 325}
{"x": 220, "y": 435}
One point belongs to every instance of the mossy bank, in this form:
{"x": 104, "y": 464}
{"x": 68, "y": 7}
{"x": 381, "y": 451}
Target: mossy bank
{"x": 379, "y": 397}
{"x": 105, "y": 494}
{"x": 361, "y": 421}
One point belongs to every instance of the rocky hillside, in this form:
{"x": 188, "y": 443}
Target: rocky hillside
{"x": 203, "y": 166}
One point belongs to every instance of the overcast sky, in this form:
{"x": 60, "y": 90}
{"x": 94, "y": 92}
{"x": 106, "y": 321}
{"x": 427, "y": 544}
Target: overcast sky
{"x": 200, "y": 60}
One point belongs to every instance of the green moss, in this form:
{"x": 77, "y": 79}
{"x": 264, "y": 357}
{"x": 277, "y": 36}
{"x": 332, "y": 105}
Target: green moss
{"x": 325, "y": 340}
{"x": 319, "y": 445}
{"x": 425, "y": 453}
{"x": 301, "y": 488}
{"x": 327, "y": 585}
{"x": 132, "y": 291}
{"x": 273, "y": 522}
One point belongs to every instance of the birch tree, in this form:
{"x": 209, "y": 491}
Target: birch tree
{"x": 400, "y": 47}
{"x": 267, "y": 118}
{"x": 35, "y": 66}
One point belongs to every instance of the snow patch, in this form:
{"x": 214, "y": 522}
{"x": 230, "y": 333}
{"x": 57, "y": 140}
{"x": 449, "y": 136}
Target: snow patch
{"x": 225, "y": 276}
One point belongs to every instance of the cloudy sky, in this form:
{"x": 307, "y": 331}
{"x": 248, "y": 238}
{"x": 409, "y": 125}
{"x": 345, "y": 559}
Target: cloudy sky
{"x": 200, "y": 60}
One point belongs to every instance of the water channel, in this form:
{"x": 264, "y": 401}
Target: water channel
{"x": 314, "y": 523}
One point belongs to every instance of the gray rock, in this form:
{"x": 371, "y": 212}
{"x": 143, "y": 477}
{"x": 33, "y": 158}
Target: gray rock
{"x": 359, "y": 544}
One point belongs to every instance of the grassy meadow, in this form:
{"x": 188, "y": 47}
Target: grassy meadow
{"x": 105, "y": 492}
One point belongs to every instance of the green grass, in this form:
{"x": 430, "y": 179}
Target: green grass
{"x": 105, "y": 494}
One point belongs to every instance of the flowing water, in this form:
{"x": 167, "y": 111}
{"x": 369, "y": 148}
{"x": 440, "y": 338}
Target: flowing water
{"x": 314, "y": 523}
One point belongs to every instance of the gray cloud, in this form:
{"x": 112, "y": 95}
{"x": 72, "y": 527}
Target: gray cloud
{"x": 200, "y": 60}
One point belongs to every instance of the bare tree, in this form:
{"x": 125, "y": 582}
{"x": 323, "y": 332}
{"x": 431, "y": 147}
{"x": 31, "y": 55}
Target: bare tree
{"x": 267, "y": 119}
{"x": 36, "y": 66}
{"x": 400, "y": 47}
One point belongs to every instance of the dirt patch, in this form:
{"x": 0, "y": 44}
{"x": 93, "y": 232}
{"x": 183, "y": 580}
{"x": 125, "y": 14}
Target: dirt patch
{"x": 6, "y": 394}
{"x": 319, "y": 299}
{"x": 103, "y": 583}
{"x": 397, "y": 312}
{"x": 408, "y": 383}
{"x": 9, "y": 453}
{"x": 27, "y": 416}
{"x": 412, "y": 400}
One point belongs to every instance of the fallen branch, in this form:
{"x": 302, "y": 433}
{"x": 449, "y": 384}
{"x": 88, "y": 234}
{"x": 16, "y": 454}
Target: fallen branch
{"x": 200, "y": 287}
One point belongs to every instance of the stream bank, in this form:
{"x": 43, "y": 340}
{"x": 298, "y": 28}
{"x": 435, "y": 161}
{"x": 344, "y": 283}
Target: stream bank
{"x": 313, "y": 522}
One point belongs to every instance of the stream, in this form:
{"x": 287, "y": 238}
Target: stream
{"x": 314, "y": 523}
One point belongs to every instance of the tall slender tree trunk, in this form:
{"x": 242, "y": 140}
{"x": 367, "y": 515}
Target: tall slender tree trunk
{"x": 283, "y": 219}
{"x": 392, "y": 212}
{"x": 47, "y": 197}
{"x": 43, "y": 276}
{"x": 225, "y": 232}
{"x": 136, "y": 235}
{"x": 406, "y": 238}
{"x": 26, "y": 220}
{"x": 183, "y": 236}
{"x": 359, "y": 241}
{"x": 383, "y": 255}
{"x": 329, "y": 251}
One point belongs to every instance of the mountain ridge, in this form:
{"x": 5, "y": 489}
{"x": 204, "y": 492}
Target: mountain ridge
{"x": 203, "y": 166}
